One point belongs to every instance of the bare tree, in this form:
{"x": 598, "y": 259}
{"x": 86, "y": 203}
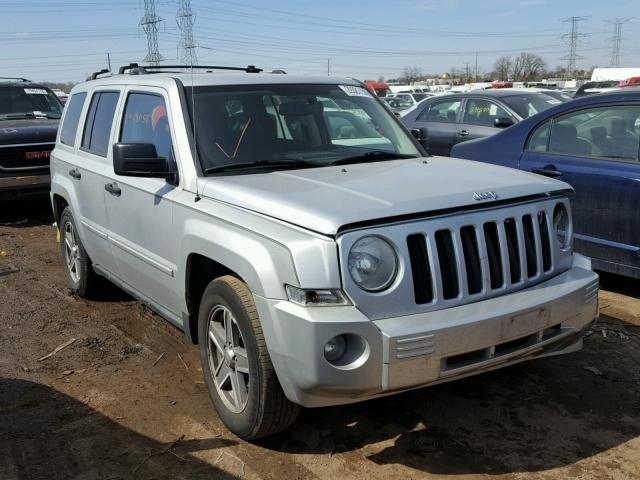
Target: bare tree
{"x": 502, "y": 68}
{"x": 411, "y": 74}
{"x": 381, "y": 79}
{"x": 526, "y": 67}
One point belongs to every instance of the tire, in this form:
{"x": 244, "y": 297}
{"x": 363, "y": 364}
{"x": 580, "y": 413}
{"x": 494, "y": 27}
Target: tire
{"x": 80, "y": 276}
{"x": 259, "y": 408}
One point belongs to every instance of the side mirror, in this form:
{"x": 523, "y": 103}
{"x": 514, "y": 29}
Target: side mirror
{"x": 417, "y": 134}
{"x": 503, "y": 122}
{"x": 140, "y": 160}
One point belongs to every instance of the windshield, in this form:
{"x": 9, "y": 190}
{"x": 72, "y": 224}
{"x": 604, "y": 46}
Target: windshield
{"x": 315, "y": 125}
{"x": 529, "y": 104}
{"x": 418, "y": 97}
{"x": 29, "y": 101}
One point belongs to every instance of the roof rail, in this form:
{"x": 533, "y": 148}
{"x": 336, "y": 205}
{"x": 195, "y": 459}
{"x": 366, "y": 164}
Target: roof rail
{"x": 95, "y": 75}
{"x": 15, "y": 78}
{"x": 135, "y": 69}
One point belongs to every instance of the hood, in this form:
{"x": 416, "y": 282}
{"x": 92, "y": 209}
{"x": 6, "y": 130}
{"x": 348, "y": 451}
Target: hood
{"x": 29, "y": 130}
{"x": 324, "y": 199}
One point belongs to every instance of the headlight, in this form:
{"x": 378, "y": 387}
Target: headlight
{"x": 373, "y": 264}
{"x": 562, "y": 225}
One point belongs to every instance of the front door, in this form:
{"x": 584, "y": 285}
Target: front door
{"x": 596, "y": 151}
{"x": 144, "y": 242}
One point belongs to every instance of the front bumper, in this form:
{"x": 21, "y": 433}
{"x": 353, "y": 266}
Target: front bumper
{"x": 25, "y": 185}
{"x": 417, "y": 350}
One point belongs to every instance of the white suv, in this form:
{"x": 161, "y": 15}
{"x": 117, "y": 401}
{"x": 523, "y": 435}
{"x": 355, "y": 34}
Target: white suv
{"x": 314, "y": 253}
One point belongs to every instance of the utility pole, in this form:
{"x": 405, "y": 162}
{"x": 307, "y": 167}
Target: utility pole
{"x": 573, "y": 36}
{"x": 186, "y": 47}
{"x": 475, "y": 77}
{"x": 616, "y": 42}
{"x": 466, "y": 71}
{"x": 328, "y": 67}
{"x": 108, "y": 61}
{"x": 149, "y": 23}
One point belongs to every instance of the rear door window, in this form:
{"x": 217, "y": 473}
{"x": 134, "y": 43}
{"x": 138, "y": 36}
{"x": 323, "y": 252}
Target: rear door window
{"x": 72, "y": 118}
{"x": 483, "y": 112}
{"x": 97, "y": 127}
{"x": 444, "y": 111}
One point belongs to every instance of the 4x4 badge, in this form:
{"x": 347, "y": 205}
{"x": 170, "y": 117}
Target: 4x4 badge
{"x": 480, "y": 196}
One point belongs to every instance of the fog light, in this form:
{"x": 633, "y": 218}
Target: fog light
{"x": 335, "y": 348}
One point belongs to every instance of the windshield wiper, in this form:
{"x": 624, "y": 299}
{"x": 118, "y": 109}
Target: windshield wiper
{"x": 282, "y": 163}
{"x": 372, "y": 156}
{"x": 10, "y": 116}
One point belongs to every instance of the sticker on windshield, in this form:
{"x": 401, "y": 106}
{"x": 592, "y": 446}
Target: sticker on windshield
{"x": 554, "y": 101}
{"x": 354, "y": 91}
{"x": 35, "y": 91}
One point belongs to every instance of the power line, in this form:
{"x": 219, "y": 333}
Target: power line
{"x": 149, "y": 23}
{"x": 186, "y": 47}
{"x": 616, "y": 43}
{"x": 573, "y": 36}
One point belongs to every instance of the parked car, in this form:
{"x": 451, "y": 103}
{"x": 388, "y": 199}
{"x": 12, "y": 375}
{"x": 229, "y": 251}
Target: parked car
{"x": 397, "y": 105}
{"x": 413, "y": 97}
{"x": 591, "y": 88}
{"x": 29, "y": 116}
{"x": 313, "y": 268}
{"x": 591, "y": 143}
{"x": 443, "y": 121}
{"x": 630, "y": 82}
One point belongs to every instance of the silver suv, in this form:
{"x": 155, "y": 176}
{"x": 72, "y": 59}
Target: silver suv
{"x": 295, "y": 231}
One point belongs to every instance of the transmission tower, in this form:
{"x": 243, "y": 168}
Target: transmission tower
{"x": 186, "y": 47}
{"x": 149, "y": 23}
{"x": 573, "y": 36}
{"x": 616, "y": 42}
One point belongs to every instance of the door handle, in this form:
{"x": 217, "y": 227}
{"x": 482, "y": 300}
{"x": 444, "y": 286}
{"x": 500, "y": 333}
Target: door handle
{"x": 75, "y": 173}
{"x": 463, "y": 133}
{"x": 113, "y": 189}
{"x": 548, "y": 171}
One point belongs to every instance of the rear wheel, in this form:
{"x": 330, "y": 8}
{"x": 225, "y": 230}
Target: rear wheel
{"x": 242, "y": 383}
{"x": 76, "y": 262}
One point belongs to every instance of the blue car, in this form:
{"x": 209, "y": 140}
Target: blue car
{"x": 592, "y": 143}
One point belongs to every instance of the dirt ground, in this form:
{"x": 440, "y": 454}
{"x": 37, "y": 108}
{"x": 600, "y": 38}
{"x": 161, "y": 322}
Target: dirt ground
{"x": 102, "y": 408}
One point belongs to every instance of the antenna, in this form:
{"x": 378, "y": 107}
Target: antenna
{"x": 149, "y": 23}
{"x": 186, "y": 47}
{"x": 573, "y": 36}
{"x": 616, "y": 42}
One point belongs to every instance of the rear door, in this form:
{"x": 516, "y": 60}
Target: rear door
{"x": 84, "y": 165}
{"x": 478, "y": 119}
{"x": 596, "y": 151}
{"x": 438, "y": 122}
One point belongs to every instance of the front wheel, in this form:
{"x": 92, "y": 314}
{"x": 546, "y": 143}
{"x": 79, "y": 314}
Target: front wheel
{"x": 242, "y": 383}
{"x": 76, "y": 262}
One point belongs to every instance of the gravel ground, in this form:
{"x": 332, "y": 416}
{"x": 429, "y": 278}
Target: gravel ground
{"x": 101, "y": 409}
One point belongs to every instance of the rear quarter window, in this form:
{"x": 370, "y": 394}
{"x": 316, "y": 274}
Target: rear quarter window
{"x": 72, "y": 118}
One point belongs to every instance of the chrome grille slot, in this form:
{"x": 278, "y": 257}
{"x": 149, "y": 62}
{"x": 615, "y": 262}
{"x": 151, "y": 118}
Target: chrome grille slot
{"x": 530, "y": 246}
{"x": 493, "y": 252}
{"x": 420, "y": 268}
{"x": 513, "y": 249}
{"x": 545, "y": 240}
{"x": 471, "y": 259}
{"x": 447, "y": 262}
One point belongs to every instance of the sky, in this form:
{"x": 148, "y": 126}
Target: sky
{"x": 59, "y": 40}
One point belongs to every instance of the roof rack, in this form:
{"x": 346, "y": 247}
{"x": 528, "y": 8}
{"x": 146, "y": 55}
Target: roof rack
{"x": 15, "y": 78}
{"x": 95, "y": 75}
{"x": 135, "y": 69}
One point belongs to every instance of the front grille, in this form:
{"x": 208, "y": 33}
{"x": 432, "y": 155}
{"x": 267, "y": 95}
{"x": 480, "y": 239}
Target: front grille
{"x": 493, "y": 255}
{"x": 463, "y": 257}
{"x": 25, "y": 157}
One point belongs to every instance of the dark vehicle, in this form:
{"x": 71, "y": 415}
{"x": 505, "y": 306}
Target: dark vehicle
{"x": 397, "y": 105}
{"x": 590, "y": 88}
{"x": 593, "y": 144}
{"x": 29, "y": 116}
{"x": 443, "y": 121}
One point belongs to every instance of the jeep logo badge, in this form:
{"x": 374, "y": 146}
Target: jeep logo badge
{"x": 481, "y": 196}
